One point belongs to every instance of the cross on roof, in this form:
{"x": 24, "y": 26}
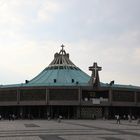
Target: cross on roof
{"x": 95, "y": 68}
{"x": 62, "y": 46}
{"x": 62, "y": 51}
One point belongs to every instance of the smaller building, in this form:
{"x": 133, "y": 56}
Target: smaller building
{"x": 64, "y": 89}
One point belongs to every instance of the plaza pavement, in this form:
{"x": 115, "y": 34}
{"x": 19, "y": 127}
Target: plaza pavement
{"x": 69, "y": 130}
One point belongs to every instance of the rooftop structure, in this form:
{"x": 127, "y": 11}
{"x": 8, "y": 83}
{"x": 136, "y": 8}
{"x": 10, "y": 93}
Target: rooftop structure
{"x": 61, "y": 71}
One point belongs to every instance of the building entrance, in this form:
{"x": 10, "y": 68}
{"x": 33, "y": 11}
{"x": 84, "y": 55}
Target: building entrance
{"x": 67, "y": 112}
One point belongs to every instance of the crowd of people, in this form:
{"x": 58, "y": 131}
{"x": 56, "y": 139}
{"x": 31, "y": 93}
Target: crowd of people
{"x": 126, "y": 117}
{"x": 12, "y": 117}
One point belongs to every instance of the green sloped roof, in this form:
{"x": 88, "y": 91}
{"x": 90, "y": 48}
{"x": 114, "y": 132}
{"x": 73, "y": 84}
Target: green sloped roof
{"x": 63, "y": 77}
{"x": 62, "y": 72}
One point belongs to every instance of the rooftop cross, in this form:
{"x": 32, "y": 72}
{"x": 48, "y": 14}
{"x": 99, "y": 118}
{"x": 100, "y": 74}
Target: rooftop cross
{"x": 95, "y": 77}
{"x": 62, "y": 46}
{"x": 95, "y": 68}
{"x": 62, "y": 51}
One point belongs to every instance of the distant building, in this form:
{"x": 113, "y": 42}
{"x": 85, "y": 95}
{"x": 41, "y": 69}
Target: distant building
{"x": 64, "y": 89}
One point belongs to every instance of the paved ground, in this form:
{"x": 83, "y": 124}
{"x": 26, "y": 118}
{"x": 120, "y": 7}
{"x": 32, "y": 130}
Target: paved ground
{"x": 68, "y": 130}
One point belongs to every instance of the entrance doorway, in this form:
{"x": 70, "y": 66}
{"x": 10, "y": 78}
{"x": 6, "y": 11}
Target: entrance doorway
{"x": 67, "y": 112}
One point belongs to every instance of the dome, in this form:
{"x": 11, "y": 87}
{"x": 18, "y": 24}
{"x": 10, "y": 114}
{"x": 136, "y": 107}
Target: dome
{"x": 62, "y": 72}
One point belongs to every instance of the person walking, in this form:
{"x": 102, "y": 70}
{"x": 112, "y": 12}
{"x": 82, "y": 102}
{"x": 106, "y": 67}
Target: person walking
{"x": 118, "y": 119}
{"x": 59, "y": 118}
{"x": 129, "y": 118}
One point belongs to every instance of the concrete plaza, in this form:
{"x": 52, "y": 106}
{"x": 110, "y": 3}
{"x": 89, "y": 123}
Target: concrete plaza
{"x": 69, "y": 130}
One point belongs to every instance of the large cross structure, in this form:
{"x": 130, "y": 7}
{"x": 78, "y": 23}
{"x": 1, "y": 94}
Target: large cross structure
{"x": 94, "y": 80}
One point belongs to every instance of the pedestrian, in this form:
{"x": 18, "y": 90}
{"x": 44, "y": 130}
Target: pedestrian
{"x": 13, "y": 117}
{"x": 124, "y": 117}
{"x": 59, "y": 118}
{"x": 129, "y": 118}
{"x": 10, "y": 117}
{"x": 21, "y": 115}
{"x": 118, "y": 119}
{"x": 93, "y": 116}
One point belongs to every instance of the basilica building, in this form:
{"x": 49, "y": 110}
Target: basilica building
{"x": 64, "y": 89}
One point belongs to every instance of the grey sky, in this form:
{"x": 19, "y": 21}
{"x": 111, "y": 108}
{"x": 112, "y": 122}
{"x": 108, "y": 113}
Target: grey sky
{"x": 104, "y": 31}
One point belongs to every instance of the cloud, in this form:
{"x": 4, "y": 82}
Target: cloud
{"x": 19, "y": 13}
{"x": 10, "y": 12}
{"x": 47, "y": 10}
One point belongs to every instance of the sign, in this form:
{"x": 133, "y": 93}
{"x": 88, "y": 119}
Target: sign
{"x": 96, "y": 101}
{"x": 99, "y": 100}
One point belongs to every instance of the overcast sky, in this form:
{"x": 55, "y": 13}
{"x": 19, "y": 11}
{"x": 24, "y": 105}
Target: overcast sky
{"x": 102, "y": 31}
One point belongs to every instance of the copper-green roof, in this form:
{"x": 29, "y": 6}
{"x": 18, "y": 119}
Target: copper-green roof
{"x": 62, "y": 72}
